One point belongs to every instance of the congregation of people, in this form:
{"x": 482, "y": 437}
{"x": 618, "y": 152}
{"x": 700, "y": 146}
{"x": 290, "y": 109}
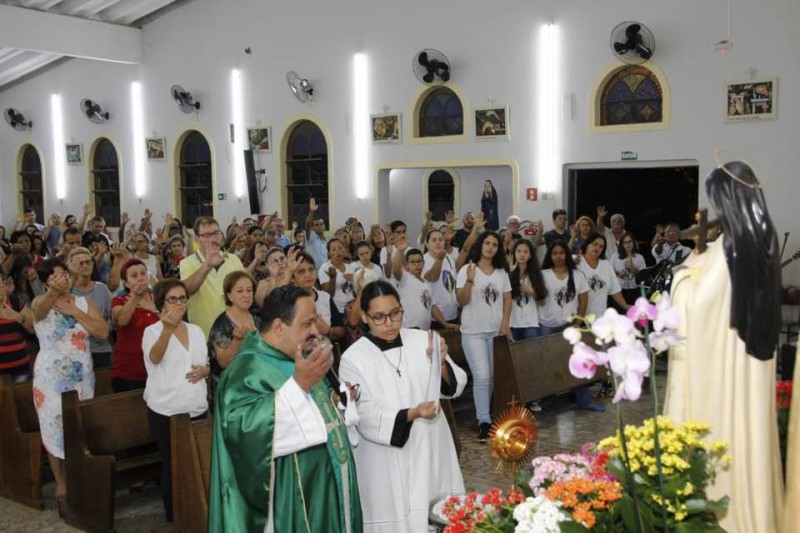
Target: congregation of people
{"x": 233, "y": 323}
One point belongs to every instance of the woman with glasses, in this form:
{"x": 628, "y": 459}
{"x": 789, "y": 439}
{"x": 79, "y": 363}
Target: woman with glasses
{"x": 407, "y": 457}
{"x": 484, "y": 294}
{"x": 176, "y": 359}
{"x": 627, "y": 262}
{"x": 63, "y": 324}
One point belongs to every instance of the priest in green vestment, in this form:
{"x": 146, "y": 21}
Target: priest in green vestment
{"x": 281, "y": 459}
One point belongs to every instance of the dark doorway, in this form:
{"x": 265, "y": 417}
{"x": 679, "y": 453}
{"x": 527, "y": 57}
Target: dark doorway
{"x": 645, "y": 195}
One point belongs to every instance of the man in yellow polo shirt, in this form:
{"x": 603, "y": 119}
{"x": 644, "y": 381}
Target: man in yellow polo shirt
{"x": 204, "y": 271}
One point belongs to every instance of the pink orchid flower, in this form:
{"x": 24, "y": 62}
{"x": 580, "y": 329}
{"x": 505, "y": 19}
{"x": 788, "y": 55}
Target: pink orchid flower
{"x": 642, "y": 311}
{"x": 583, "y": 361}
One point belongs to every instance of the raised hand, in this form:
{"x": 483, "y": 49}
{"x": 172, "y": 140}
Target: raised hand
{"x": 87, "y": 209}
{"x": 214, "y": 257}
{"x": 332, "y": 270}
{"x": 119, "y": 251}
{"x": 310, "y": 370}
{"x": 480, "y": 221}
{"x": 148, "y": 213}
{"x": 293, "y": 259}
{"x": 471, "y": 272}
{"x": 312, "y": 205}
{"x": 573, "y": 230}
{"x": 124, "y": 218}
{"x": 601, "y": 211}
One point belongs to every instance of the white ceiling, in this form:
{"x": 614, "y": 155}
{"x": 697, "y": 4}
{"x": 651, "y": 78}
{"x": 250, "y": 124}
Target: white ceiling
{"x": 38, "y": 33}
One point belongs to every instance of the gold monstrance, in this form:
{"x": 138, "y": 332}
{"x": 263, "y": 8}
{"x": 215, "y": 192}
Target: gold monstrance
{"x": 511, "y": 439}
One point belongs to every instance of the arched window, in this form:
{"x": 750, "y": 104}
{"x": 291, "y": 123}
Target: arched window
{"x": 441, "y": 114}
{"x": 307, "y": 172}
{"x": 195, "y": 178}
{"x": 441, "y": 194}
{"x": 30, "y": 173}
{"x": 105, "y": 182}
{"x": 632, "y": 95}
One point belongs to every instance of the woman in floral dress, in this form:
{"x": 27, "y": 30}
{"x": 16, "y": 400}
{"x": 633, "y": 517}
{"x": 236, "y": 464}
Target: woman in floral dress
{"x": 63, "y": 323}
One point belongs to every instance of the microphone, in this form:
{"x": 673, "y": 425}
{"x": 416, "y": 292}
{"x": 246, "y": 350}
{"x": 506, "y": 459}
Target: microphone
{"x": 785, "y": 238}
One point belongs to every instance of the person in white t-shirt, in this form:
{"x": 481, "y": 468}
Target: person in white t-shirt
{"x": 331, "y": 276}
{"x": 484, "y": 293}
{"x": 567, "y": 290}
{"x": 398, "y": 232}
{"x": 362, "y": 262}
{"x": 527, "y": 289}
{"x": 628, "y": 262}
{"x": 415, "y": 297}
{"x": 440, "y": 274}
{"x": 329, "y": 321}
{"x": 600, "y": 276}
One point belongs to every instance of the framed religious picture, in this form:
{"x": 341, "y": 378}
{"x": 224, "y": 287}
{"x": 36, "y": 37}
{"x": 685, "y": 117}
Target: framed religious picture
{"x": 491, "y": 123}
{"x": 260, "y": 139}
{"x": 156, "y": 148}
{"x": 386, "y": 128}
{"x": 751, "y": 100}
{"x": 74, "y": 153}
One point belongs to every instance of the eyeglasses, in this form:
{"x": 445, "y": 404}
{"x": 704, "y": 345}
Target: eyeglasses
{"x": 176, "y": 299}
{"x": 210, "y": 234}
{"x": 380, "y": 318}
{"x": 85, "y": 262}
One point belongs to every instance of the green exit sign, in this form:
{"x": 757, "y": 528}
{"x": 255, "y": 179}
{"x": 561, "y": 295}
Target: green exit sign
{"x": 629, "y": 156}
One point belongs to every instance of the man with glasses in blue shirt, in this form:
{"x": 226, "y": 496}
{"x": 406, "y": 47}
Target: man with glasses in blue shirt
{"x": 204, "y": 271}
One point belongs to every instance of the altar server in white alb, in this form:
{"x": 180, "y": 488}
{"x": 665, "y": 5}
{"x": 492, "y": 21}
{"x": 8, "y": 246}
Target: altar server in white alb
{"x": 406, "y": 458}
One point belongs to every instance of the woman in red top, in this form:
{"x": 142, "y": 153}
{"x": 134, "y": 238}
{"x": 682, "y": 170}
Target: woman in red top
{"x": 131, "y": 314}
{"x": 15, "y": 319}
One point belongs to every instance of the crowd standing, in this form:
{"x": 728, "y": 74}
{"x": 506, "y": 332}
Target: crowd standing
{"x": 170, "y": 308}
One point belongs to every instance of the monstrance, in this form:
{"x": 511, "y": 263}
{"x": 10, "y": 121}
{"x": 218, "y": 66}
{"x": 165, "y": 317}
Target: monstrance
{"x": 511, "y": 439}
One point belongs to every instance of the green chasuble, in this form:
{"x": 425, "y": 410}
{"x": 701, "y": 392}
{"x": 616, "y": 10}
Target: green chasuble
{"x": 314, "y": 489}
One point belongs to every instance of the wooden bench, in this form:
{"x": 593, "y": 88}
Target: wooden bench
{"x": 533, "y": 369}
{"x": 98, "y": 433}
{"x": 191, "y": 472}
{"x": 21, "y": 451}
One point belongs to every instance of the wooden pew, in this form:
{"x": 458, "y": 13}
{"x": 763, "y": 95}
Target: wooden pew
{"x": 95, "y": 432}
{"x": 191, "y": 472}
{"x": 21, "y": 451}
{"x": 454, "y": 348}
{"x": 533, "y": 369}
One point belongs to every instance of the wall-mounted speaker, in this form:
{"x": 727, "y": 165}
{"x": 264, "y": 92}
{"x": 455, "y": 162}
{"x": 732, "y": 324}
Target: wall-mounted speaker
{"x": 253, "y": 191}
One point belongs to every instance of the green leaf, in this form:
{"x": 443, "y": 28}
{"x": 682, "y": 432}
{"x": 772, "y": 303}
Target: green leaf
{"x": 695, "y": 527}
{"x": 573, "y": 527}
{"x": 718, "y": 506}
{"x": 696, "y": 505}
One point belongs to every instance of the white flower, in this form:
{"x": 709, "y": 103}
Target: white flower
{"x": 573, "y": 335}
{"x": 538, "y": 515}
{"x": 668, "y": 317}
{"x": 631, "y": 363}
{"x": 662, "y": 340}
{"x": 613, "y": 326}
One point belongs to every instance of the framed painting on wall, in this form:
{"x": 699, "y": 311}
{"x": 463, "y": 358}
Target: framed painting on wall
{"x": 260, "y": 139}
{"x": 74, "y": 153}
{"x": 491, "y": 123}
{"x": 386, "y": 128}
{"x": 751, "y": 100}
{"x": 156, "y": 148}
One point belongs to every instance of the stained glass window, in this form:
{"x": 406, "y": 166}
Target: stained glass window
{"x": 441, "y": 114}
{"x": 632, "y": 96}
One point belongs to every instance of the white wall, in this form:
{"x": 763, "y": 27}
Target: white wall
{"x": 493, "y": 53}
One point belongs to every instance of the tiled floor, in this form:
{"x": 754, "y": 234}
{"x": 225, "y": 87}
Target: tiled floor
{"x": 561, "y": 428}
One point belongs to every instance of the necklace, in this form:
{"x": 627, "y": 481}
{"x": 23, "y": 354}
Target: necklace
{"x": 395, "y": 366}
